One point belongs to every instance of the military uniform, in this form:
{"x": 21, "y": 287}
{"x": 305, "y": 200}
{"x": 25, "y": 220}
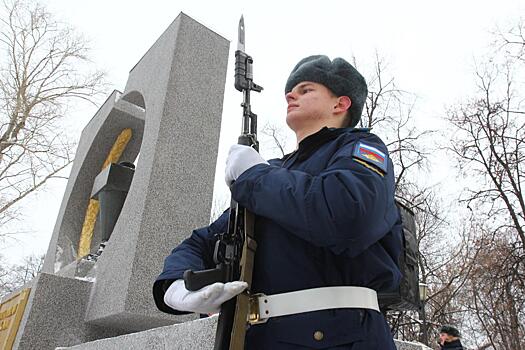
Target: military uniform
{"x": 325, "y": 216}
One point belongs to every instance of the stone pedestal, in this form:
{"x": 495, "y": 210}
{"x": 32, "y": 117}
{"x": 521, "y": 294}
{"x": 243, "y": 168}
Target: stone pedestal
{"x": 55, "y": 315}
{"x": 198, "y": 334}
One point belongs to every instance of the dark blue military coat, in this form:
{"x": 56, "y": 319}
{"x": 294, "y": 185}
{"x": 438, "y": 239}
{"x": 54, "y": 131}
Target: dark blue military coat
{"x": 325, "y": 217}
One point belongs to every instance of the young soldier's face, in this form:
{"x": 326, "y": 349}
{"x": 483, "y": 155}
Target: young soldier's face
{"x": 309, "y": 104}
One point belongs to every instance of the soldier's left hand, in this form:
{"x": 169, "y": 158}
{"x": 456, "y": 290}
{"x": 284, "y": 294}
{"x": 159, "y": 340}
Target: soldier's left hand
{"x": 241, "y": 158}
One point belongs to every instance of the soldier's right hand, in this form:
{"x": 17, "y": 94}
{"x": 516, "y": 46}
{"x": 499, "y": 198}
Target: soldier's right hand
{"x": 207, "y": 300}
{"x": 240, "y": 158}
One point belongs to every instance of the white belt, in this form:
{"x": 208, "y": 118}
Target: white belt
{"x": 263, "y": 307}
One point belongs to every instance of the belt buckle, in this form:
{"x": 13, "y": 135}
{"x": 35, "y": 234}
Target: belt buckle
{"x": 254, "y": 311}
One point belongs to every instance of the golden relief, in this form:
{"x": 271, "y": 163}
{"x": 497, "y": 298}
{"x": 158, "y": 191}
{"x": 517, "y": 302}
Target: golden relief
{"x": 90, "y": 219}
{"x": 11, "y": 312}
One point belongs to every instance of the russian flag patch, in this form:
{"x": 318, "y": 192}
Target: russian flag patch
{"x": 371, "y": 155}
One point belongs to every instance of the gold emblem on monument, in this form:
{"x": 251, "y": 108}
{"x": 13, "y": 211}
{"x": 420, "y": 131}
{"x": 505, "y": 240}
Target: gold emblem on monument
{"x": 11, "y": 312}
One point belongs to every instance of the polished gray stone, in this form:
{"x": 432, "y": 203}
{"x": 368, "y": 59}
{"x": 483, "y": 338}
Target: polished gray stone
{"x": 172, "y": 103}
{"x": 172, "y": 188}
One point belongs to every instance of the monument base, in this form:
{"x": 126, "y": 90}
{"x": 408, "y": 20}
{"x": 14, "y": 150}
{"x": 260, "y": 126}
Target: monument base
{"x": 55, "y": 315}
{"x": 198, "y": 334}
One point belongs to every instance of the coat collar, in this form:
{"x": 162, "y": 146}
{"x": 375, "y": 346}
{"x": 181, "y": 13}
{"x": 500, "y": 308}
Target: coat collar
{"x": 312, "y": 142}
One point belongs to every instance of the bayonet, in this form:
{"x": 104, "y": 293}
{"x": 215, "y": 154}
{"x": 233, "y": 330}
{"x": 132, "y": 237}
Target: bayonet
{"x": 240, "y": 35}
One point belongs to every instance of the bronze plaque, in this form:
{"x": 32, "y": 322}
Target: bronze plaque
{"x": 11, "y": 312}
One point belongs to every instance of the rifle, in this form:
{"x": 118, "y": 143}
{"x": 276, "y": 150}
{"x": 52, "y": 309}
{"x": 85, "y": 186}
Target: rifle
{"x": 235, "y": 249}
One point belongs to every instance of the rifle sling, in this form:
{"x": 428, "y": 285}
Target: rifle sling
{"x": 240, "y": 320}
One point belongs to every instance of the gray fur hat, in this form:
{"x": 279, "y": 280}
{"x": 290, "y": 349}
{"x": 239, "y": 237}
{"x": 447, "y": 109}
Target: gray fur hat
{"x": 338, "y": 75}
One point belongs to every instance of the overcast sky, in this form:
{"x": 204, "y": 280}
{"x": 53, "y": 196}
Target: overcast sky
{"x": 430, "y": 47}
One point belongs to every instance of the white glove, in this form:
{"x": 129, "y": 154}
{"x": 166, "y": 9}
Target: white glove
{"x": 207, "y": 300}
{"x": 241, "y": 158}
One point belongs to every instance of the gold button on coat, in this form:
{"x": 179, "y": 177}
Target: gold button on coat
{"x": 318, "y": 335}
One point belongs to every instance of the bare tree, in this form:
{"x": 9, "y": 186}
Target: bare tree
{"x": 389, "y": 112}
{"x": 4, "y": 274}
{"x": 277, "y": 137}
{"x": 495, "y": 292}
{"x": 512, "y": 41}
{"x": 13, "y": 277}
{"x": 488, "y": 144}
{"x": 43, "y": 69}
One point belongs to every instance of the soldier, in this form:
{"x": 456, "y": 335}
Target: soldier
{"x": 327, "y": 228}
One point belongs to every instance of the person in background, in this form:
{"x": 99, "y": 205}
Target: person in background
{"x": 449, "y": 338}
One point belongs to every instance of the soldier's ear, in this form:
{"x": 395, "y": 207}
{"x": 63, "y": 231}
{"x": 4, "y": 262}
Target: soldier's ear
{"x": 343, "y": 104}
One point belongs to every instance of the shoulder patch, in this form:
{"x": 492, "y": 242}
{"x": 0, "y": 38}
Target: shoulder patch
{"x": 371, "y": 155}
